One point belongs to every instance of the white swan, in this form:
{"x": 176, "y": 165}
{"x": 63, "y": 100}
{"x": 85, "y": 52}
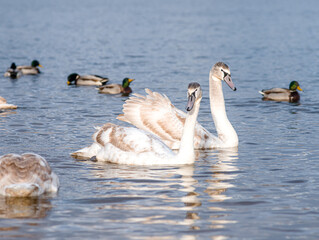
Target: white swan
{"x": 155, "y": 113}
{"x": 128, "y": 145}
{"x": 5, "y": 105}
{"x": 26, "y": 175}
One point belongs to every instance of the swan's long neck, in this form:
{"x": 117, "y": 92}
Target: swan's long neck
{"x": 186, "y": 153}
{"x": 226, "y": 132}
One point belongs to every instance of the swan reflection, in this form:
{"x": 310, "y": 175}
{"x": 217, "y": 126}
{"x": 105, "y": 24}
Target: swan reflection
{"x": 222, "y": 174}
{"x": 6, "y": 113}
{"x": 177, "y": 196}
{"x": 24, "y": 207}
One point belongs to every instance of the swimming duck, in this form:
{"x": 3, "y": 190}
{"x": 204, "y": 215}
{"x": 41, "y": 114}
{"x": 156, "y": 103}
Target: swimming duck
{"x": 129, "y": 145}
{"x": 26, "y": 175}
{"x": 86, "y": 80}
{"x": 5, "y": 105}
{"x": 13, "y": 72}
{"x": 155, "y": 113}
{"x": 118, "y": 88}
{"x": 30, "y": 70}
{"x": 283, "y": 94}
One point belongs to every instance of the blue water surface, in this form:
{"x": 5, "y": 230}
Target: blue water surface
{"x": 268, "y": 189}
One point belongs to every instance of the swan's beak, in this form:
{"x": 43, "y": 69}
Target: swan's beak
{"x": 190, "y": 102}
{"x": 229, "y": 82}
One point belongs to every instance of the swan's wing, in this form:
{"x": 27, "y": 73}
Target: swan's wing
{"x": 129, "y": 139}
{"x": 156, "y": 114}
{"x": 2, "y": 100}
{"x": 26, "y": 175}
{"x": 126, "y": 145}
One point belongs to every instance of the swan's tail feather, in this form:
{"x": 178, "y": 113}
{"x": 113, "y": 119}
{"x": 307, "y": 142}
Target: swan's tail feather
{"x": 79, "y": 155}
{"x": 87, "y": 152}
{"x": 8, "y": 106}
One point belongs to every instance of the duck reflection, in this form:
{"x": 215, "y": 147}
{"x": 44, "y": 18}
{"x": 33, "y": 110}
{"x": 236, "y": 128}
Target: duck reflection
{"x": 11, "y": 207}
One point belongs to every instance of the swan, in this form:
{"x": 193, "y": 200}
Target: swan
{"x": 5, "y": 105}
{"x": 282, "y": 94}
{"x": 26, "y": 175}
{"x": 86, "y": 80}
{"x": 129, "y": 145}
{"x": 31, "y": 70}
{"x": 155, "y": 113}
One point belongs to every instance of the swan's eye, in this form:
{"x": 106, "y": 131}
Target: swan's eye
{"x": 194, "y": 93}
{"x": 225, "y": 73}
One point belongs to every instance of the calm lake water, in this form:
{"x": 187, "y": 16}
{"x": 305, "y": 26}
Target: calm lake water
{"x": 268, "y": 189}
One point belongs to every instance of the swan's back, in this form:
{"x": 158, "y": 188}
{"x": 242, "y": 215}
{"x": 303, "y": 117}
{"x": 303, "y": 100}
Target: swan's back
{"x": 126, "y": 145}
{"x": 156, "y": 114}
{"x": 26, "y": 175}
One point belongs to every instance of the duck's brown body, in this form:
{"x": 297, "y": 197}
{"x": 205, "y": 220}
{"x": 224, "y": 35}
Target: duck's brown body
{"x": 282, "y": 94}
{"x": 114, "y": 89}
{"x": 118, "y": 88}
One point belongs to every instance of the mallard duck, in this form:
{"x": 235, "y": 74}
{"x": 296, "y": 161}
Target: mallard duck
{"x": 30, "y": 70}
{"x": 155, "y": 113}
{"x": 86, "y": 80}
{"x": 5, "y": 105}
{"x": 26, "y": 175}
{"x": 13, "y": 72}
{"x": 283, "y": 94}
{"x": 118, "y": 88}
{"x": 129, "y": 145}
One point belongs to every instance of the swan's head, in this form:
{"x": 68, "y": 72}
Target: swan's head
{"x": 194, "y": 95}
{"x": 73, "y": 77}
{"x": 294, "y": 85}
{"x": 221, "y": 72}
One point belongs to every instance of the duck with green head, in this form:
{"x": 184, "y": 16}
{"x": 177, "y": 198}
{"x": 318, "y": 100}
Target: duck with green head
{"x": 86, "y": 80}
{"x": 118, "y": 88}
{"x": 32, "y": 70}
{"x": 282, "y": 94}
{"x": 13, "y": 72}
